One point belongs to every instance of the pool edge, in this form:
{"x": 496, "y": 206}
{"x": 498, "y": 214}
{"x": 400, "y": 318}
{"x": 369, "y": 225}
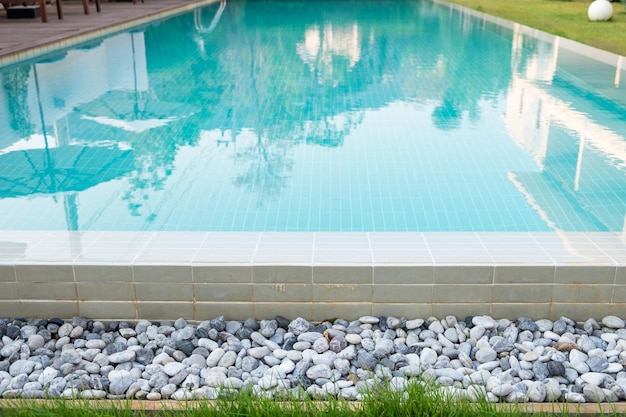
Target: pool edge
{"x": 198, "y": 275}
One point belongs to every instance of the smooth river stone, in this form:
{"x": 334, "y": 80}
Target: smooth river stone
{"x": 299, "y": 326}
{"x": 502, "y": 390}
{"x": 229, "y": 359}
{"x": 485, "y": 321}
{"x": 565, "y": 346}
{"x": 452, "y": 335}
{"x": 123, "y": 356}
{"x": 537, "y": 392}
{"x": 556, "y": 368}
{"x": 310, "y": 337}
{"x": 613, "y": 322}
{"x": 477, "y": 332}
{"x": 544, "y": 325}
{"x": 449, "y": 373}
{"x": 428, "y": 357}
{"x": 594, "y": 378}
{"x": 319, "y": 371}
{"x": 95, "y": 344}
{"x": 530, "y": 356}
{"x": 172, "y": 368}
{"x": 597, "y": 364}
{"x": 414, "y": 324}
{"x": 436, "y": 327}
{"x": 369, "y": 319}
{"x": 486, "y": 355}
{"x": 216, "y": 355}
{"x": 120, "y": 381}
{"x": 593, "y": 393}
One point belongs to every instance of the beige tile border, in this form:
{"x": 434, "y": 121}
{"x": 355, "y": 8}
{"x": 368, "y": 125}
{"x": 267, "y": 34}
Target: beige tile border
{"x": 240, "y": 288}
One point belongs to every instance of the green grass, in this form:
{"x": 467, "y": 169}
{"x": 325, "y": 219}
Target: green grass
{"x": 417, "y": 400}
{"x": 564, "y": 18}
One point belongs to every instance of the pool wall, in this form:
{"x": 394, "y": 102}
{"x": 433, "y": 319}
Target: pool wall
{"x": 198, "y": 276}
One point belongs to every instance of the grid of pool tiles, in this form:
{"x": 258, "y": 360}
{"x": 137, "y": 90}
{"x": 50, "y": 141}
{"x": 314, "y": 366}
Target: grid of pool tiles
{"x": 165, "y": 275}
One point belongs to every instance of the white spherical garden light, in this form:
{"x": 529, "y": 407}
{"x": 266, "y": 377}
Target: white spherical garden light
{"x": 600, "y": 10}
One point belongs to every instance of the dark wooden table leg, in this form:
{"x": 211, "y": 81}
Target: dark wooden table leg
{"x": 43, "y": 11}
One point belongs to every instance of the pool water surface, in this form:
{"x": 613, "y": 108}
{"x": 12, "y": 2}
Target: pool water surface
{"x": 408, "y": 116}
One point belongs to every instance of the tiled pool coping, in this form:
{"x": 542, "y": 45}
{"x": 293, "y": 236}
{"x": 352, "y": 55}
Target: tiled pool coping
{"x": 198, "y": 275}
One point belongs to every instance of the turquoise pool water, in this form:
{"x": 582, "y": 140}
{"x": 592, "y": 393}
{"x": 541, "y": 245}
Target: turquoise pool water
{"x": 316, "y": 116}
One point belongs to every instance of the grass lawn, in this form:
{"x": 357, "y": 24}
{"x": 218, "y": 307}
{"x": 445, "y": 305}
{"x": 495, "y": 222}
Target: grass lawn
{"x": 565, "y": 18}
{"x": 414, "y": 401}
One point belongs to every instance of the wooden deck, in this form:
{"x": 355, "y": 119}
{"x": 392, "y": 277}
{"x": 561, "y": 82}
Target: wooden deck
{"x": 20, "y": 35}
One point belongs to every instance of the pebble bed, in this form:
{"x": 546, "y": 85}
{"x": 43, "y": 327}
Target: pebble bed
{"x": 476, "y": 358}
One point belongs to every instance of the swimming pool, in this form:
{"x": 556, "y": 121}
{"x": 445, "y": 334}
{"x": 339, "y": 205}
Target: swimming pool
{"x": 316, "y": 159}
{"x": 274, "y": 116}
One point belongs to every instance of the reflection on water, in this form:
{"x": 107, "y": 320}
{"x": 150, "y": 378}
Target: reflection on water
{"x": 402, "y": 116}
